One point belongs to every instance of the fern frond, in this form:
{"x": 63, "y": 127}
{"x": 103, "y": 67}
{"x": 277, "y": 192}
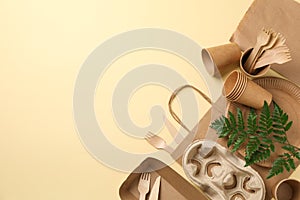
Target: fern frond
{"x": 297, "y": 155}
{"x": 218, "y": 125}
{"x": 280, "y": 139}
{"x": 265, "y": 121}
{"x": 252, "y": 146}
{"x": 259, "y": 136}
{"x": 277, "y": 167}
{"x": 240, "y": 120}
{"x": 241, "y": 139}
{"x": 252, "y": 124}
{"x": 232, "y": 138}
{"x": 260, "y": 155}
{"x": 232, "y": 120}
{"x": 289, "y": 148}
{"x": 288, "y": 126}
{"x": 291, "y": 163}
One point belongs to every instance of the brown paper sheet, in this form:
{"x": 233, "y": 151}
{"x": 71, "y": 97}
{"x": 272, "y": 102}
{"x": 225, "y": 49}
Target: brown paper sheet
{"x": 283, "y": 16}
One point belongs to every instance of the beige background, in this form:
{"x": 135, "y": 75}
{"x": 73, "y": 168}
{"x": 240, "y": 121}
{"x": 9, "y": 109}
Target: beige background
{"x": 42, "y": 46}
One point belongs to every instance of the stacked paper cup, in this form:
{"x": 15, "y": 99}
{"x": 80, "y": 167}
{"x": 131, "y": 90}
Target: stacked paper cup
{"x": 235, "y": 86}
{"x": 239, "y": 88}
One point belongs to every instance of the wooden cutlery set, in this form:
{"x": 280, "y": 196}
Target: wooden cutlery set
{"x": 144, "y": 187}
{"x": 270, "y": 48}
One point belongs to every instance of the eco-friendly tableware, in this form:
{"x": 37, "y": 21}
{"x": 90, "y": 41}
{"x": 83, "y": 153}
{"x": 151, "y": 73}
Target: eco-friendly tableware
{"x": 279, "y": 58}
{"x": 144, "y": 185}
{"x": 155, "y": 189}
{"x": 221, "y": 174}
{"x": 257, "y": 73}
{"x": 251, "y": 94}
{"x": 217, "y": 59}
{"x": 270, "y": 48}
{"x": 274, "y": 51}
{"x": 263, "y": 48}
{"x": 262, "y": 39}
{"x": 158, "y": 142}
{"x": 172, "y": 186}
{"x": 234, "y": 89}
{"x": 287, "y": 189}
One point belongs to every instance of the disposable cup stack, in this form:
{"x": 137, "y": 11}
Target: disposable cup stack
{"x": 238, "y": 88}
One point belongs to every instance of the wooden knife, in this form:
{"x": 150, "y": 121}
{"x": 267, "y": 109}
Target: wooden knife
{"x": 155, "y": 189}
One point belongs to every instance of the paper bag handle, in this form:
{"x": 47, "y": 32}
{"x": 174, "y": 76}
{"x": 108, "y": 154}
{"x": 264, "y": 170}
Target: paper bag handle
{"x": 173, "y": 96}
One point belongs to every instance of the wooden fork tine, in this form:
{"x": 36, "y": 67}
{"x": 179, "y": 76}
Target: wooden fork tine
{"x": 150, "y": 134}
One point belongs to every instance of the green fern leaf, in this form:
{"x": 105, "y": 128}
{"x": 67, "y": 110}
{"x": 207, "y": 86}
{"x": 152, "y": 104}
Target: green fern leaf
{"x": 297, "y": 155}
{"x": 278, "y": 131}
{"x": 284, "y": 118}
{"x": 280, "y": 139}
{"x": 219, "y": 125}
{"x": 289, "y": 148}
{"x": 277, "y": 108}
{"x": 278, "y": 126}
{"x": 272, "y": 147}
{"x": 261, "y": 154}
{"x": 259, "y": 136}
{"x": 288, "y": 126}
{"x": 232, "y": 120}
{"x": 240, "y": 140}
{"x": 265, "y": 112}
{"x": 252, "y": 125}
{"x": 227, "y": 123}
{"x": 287, "y": 167}
{"x": 232, "y": 138}
{"x": 240, "y": 118}
{"x": 267, "y": 140}
{"x": 291, "y": 163}
{"x": 265, "y": 121}
{"x": 277, "y": 167}
{"x": 252, "y": 146}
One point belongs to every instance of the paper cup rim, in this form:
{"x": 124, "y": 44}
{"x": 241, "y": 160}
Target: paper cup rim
{"x": 262, "y": 72}
{"x": 238, "y": 87}
{"x": 242, "y": 79}
{"x": 208, "y": 62}
{"x": 280, "y": 183}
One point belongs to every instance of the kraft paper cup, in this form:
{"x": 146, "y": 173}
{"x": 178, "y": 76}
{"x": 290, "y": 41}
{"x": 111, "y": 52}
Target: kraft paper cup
{"x": 234, "y": 85}
{"x": 240, "y": 87}
{"x": 217, "y": 59}
{"x": 250, "y": 94}
{"x": 259, "y": 72}
{"x": 287, "y": 189}
{"x": 235, "y": 94}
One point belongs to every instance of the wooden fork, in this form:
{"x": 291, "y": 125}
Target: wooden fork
{"x": 272, "y": 60}
{"x": 158, "y": 142}
{"x": 261, "y": 40}
{"x": 144, "y": 185}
